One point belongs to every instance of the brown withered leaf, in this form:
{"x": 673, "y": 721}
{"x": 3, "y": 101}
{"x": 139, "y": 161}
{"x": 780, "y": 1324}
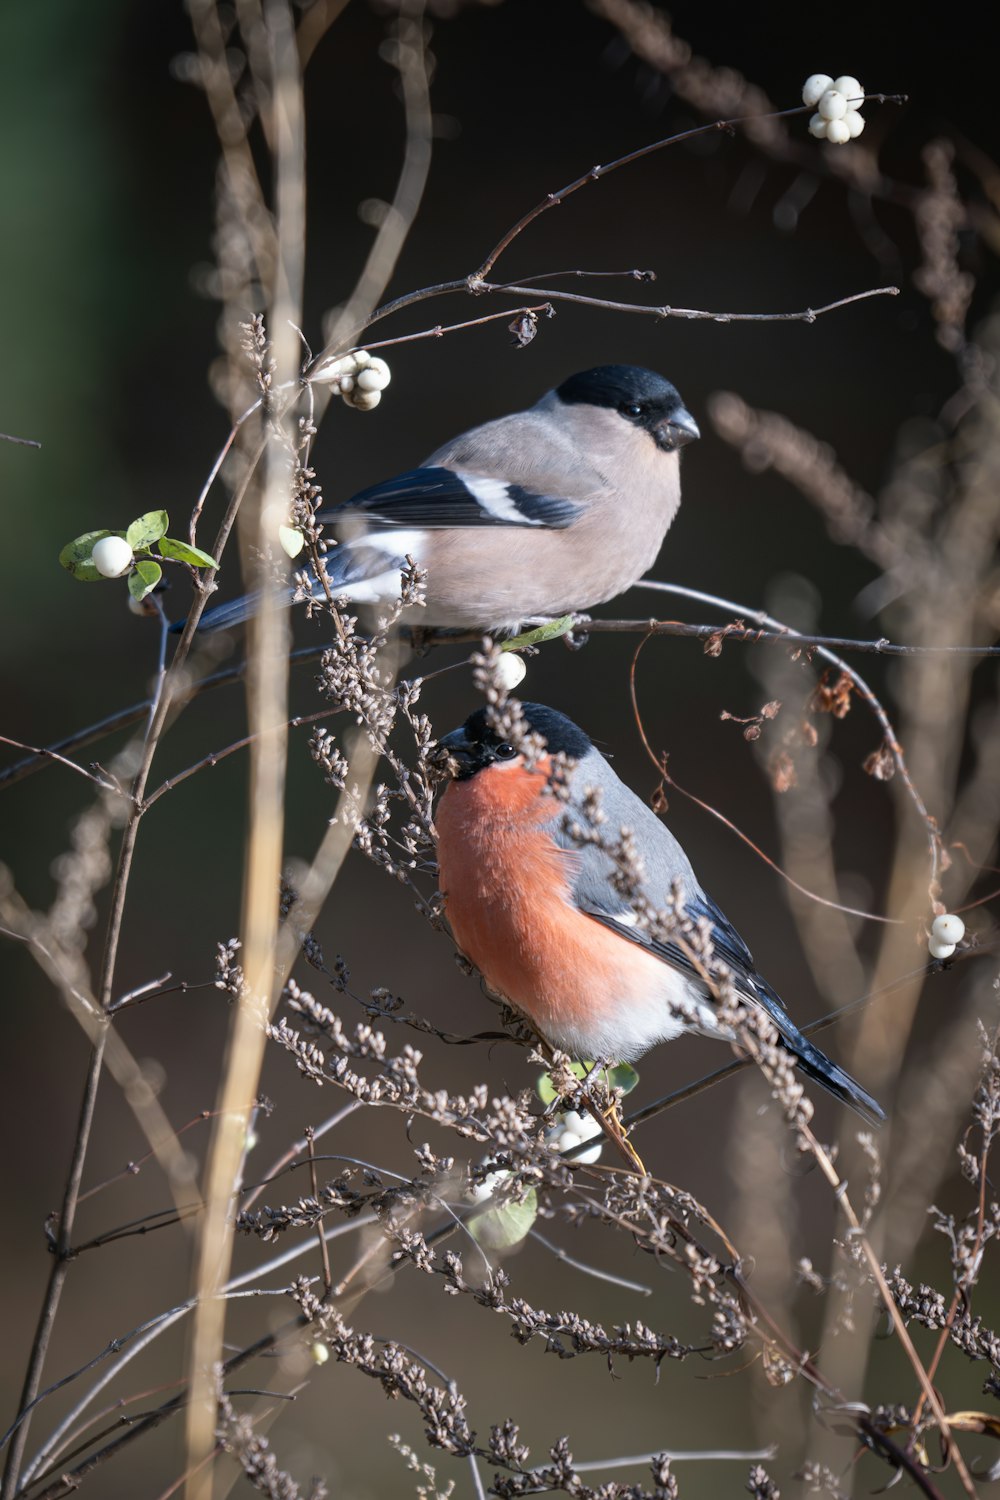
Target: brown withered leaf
{"x": 752, "y": 732}
{"x": 810, "y": 734}
{"x": 524, "y": 329}
{"x": 659, "y": 801}
{"x": 783, "y": 773}
{"x": 983, "y": 1422}
{"x": 880, "y": 763}
{"x": 832, "y": 698}
{"x": 771, "y": 710}
{"x": 986, "y": 1425}
{"x": 713, "y": 646}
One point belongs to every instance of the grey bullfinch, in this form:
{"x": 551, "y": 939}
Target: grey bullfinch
{"x": 546, "y": 511}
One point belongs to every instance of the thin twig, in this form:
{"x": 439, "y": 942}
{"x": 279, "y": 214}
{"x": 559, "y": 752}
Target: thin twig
{"x": 961, "y": 1294}
{"x": 476, "y": 283}
{"x": 411, "y": 63}
{"x": 552, "y": 200}
{"x": 692, "y": 314}
{"x": 324, "y": 1254}
{"x": 839, "y": 1187}
{"x": 235, "y": 1288}
{"x": 241, "y": 744}
{"x": 861, "y": 686}
{"x": 660, "y": 311}
{"x": 440, "y": 329}
{"x": 104, "y": 783}
{"x": 583, "y": 625}
{"x": 158, "y": 710}
{"x": 134, "y": 1167}
{"x": 588, "y": 1270}
{"x": 676, "y": 1456}
{"x": 660, "y": 763}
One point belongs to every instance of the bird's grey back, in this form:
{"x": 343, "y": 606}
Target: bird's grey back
{"x": 663, "y": 860}
{"x": 527, "y": 448}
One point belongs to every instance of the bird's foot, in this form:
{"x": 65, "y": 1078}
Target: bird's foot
{"x": 549, "y": 630}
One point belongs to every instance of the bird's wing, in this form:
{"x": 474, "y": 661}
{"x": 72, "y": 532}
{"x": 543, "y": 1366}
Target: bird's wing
{"x": 599, "y": 900}
{"x": 666, "y": 865}
{"x": 436, "y": 497}
{"x": 595, "y": 895}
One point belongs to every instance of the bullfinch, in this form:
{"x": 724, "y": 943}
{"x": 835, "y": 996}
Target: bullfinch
{"x": 545, "y": 511}
{"x": 543, "y": 917}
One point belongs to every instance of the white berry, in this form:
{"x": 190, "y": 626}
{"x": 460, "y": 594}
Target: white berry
{"x": 319, "y": 1353}
{"x": 940, "y": 950}
{"x": 815, "y": 87}
{"x": 572, "y": 1129}
{"x": 363, "y": 400}
{"x": 510, "y": 670}
{"x": 948, "y": 928}
{"x": 481, "y": 1192}
{"x": 112, "y": 556}
{"x": 833, "y": 106}
{"x": 817, "y": 127}
{"x": 854, "y": 122}
{"x": 837, "y": 133}
{"x": 331, "y": 370}
{"x": 850, "y": 88}
{"x": 375, "y": 378}
{"x": 361, "y": 357}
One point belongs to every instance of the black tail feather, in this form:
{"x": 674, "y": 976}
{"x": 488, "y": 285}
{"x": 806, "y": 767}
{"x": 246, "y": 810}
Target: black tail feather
{"x": 814, "y": 1063}
{"x": 234, "y": 612}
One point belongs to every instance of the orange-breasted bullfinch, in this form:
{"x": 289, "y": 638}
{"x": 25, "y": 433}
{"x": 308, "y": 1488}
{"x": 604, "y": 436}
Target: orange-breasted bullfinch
{"x": 542, "y": 916}
{"x": 542, "y": 512}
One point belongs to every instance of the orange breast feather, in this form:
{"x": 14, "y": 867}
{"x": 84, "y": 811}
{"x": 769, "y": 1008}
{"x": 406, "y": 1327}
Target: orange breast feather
{"x": 507, "y": 898}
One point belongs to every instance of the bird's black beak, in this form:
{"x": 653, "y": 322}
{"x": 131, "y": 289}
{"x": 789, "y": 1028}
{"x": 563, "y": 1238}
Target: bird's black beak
{"x": 680, "y": 428}
{"x": 457, "y": 748}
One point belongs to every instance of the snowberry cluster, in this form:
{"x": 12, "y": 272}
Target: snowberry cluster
{"x": 837, "y": 102}
{"x": 572, "y": 1129}
{"x": 947, "y": 931}
{"x": 569, "y": 1129}
{"x": 359, "y": 377}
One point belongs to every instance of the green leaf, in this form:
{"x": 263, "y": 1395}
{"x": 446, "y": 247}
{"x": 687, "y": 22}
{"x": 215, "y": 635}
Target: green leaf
{"x": 550, "y": 632}
{"x": 502, "y": 1228}
{"x": 147, "y": 529}
{"x": 185, "y": 553}
{"x": 622, "y": 1076}
{"x": 291, "y": 540}
{"x": 143, "y": 578}
{"x": 75, "y": 556}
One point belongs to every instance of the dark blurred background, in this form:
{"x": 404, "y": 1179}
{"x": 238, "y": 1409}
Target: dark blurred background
{"x": 107, "y": 163}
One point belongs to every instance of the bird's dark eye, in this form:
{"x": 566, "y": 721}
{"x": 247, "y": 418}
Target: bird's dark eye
{"x": 505, "y": 751}
{"x": 635, "y": 410}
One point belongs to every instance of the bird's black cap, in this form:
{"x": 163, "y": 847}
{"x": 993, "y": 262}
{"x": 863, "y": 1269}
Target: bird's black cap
{"x": 477, "y": 745}
{"x": 640, "y": 396}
